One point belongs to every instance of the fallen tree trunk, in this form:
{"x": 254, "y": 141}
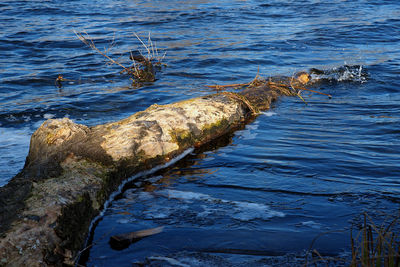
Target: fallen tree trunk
{"x": 71, "y": 169}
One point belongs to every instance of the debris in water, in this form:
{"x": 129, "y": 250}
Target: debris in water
{"x": 122, "y": 241}
{"x": 144, "y": 66}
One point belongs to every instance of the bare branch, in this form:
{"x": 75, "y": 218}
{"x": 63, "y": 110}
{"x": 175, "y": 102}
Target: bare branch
{"x": 145, "y": 46}
{"x": 89, "y": 42}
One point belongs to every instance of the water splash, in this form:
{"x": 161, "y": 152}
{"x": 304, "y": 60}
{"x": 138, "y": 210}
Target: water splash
{"x": 346, "y": 73}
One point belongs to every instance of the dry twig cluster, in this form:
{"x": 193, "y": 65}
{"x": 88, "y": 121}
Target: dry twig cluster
{"x": 144, "y": 65}
{"x": 292, "y": 86}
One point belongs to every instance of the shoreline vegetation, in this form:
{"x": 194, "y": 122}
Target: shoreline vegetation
{"x": 376, "y": 245}
{"x": 372, "y": 245}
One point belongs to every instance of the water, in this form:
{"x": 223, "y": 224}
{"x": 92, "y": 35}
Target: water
{"x": 267, "y": 190}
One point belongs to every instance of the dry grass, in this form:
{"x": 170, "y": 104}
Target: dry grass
{"x": 376, "y": 245}
{"x": 373, "y": 246}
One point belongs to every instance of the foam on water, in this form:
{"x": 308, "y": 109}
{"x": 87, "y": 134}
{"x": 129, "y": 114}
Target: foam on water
{"x": 198, "y": 259}
{"x": 162, "y": 205}
{"x": 311, "y": 224}
{"x": 48, "y": 116}
{"x": 249, "y": 132}
{"x": 268, "y": 113}
{"x": 185, "y": 196}
{"x": 245, "y": 211}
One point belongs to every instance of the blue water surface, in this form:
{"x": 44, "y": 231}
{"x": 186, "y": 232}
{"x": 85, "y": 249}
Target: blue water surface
{"x": 295, "y": 172}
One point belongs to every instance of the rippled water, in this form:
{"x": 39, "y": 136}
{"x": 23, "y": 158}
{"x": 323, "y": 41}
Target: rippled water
{"x": 269, "y": 189}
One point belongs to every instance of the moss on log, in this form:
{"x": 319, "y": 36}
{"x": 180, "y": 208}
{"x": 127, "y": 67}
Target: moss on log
{"x": 72, "y": 169}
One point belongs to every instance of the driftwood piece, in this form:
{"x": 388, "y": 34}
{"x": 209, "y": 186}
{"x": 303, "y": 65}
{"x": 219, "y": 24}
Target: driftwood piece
{"x": 122, "y": 241}
{"x": 71, "y": 169}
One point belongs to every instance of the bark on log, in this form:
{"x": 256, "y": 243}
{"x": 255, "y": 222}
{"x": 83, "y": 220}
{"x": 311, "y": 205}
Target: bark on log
{"x": 71, "y": 169}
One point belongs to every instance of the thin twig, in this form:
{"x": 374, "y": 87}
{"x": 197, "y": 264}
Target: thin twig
{"x": 314, "y": 91}
{"x": 228, "y": 85}
{"x": 111, "y": 45}
{"x": 89, "y": 42}
{"x": 145, "y": 46}
{"x": 315, "y": 239}
{"x": 319, "y": 255}
{"x": 151, "y": 45}
{"x": 298, "y": 93}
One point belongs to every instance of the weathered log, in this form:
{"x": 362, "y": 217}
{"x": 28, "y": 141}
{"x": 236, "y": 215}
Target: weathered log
{"x": 71, "y": 169}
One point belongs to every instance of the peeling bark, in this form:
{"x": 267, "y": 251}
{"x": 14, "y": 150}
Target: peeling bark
{"x": 72, "y": 169}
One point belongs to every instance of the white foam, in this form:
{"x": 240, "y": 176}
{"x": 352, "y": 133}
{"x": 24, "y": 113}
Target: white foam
{"x": 268, "y": 113}
{"x": 157, "y": 212}
{"x": 249, "y": 132}
{"x": 312, "y": 224}
{"x": 142, "y": 196}
{"x": 185, "y": 195}
{"x": 245, "y": 211}
{"x": 48, "y": 116}
{"x": 239, "y": 210}
{"x": 123, "y": 221}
